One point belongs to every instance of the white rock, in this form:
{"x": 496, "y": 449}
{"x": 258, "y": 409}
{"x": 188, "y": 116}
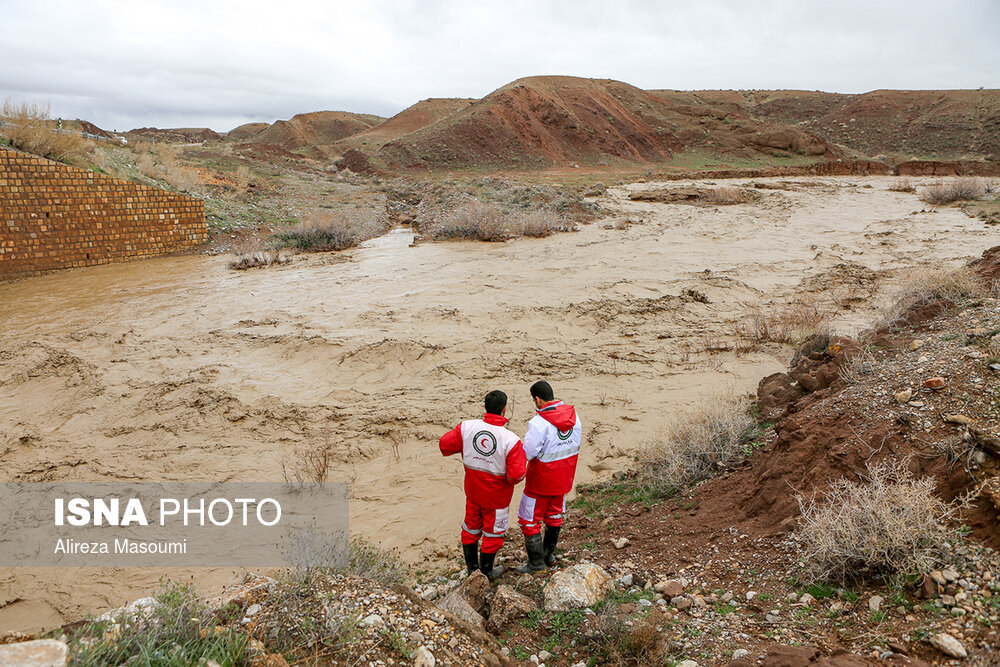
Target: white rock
{"x": 627, "y": 579}
{"x": 950, "y": 575}
{"x": 372, "y": 621}
{"x": 875, "y": 603}
{"x": 948, "y": 645}
{"x": 621, "y": 543}
{"x": 37, "y": 653}
{"x": 140, "y": 607}
{"x": 253, "y": 609}
{"x": 751, "y": 595}
{"x": 687, "y": 663}
{"x": 807, "y": 599}
{"x": 576, "y": 587}
{"x": 544, "y": 656}
{"x": 740, "y": 653}
{"x": 423, "y": 657}
{"x": 643, "y": 602}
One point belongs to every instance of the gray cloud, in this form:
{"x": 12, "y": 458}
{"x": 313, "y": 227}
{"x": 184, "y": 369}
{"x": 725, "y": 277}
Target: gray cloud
{"x": 222, "y": 63}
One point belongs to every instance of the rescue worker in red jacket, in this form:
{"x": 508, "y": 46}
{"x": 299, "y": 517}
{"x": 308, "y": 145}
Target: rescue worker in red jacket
{"x": 552, "y": 445}
{"x": 494, "y": 462}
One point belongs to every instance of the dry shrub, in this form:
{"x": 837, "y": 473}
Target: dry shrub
{"x": 788, "y": 323}
{"x": 902, "y": 185}
{"x": 28, "y": 127}
{"x": 858, "y": 367}
{"x": 889, "y": 524}
{"x": 542, "y": 223}
{"x": 924, "y": 285}
{"x": 252, "y": 252}
{"x": 307, "y": 464}
{"x": 474, "y": 220}
{"x": 699, "y": 444}
{"x": 326, "y": 231}
{"x": 993, "y": 350}
{"x": 960, "y": 189}
{"x": 160, "y": 164}
{"x": 614, "y": 642}
{"x": 373, "y": 562}
{"x": 726, "y": 195}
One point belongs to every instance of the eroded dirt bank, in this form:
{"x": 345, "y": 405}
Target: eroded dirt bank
{"x": 176, "y": 368}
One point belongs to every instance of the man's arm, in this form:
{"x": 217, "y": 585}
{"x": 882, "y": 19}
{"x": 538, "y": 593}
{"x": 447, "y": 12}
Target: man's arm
{"x": 451, "y": 442}
{"x": 517, "y": 464}
{"x": 533, "y": 441}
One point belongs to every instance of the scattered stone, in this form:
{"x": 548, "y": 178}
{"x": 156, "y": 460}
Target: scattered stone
{"x": 670, "y": 588}
{"x": 807, "y": 599}
{"x": 727, "y": 597}
{"x": 508, "y": 605}
{"x": 935, "y": 383}
{"x": 627, "y": 579}
{"x": 687, "y": 663}
{"x": 681, "y": 602}
{"x": 621, "y": 543}
{"x": 938, "y": 577}
{"x": 903, "y": 396}
{"x": 423, "y": 657}
{"x": 140, "y": 607}
{"x": 751, "y": 595}
{"x": 916, "y": 344}
{"x": 37, "y": 653}
{"x": 371, "y": 621}
{"x": 950, "y": 575}
{"x": 957, "y": 611}
{"x": 576, "y": 587}
{"x": 995, "y": 367}
{"x": 959, "y": 419}
{"x": 875, "y": 603}
{"x": 740, "y": 653}
{"x": 544, "y": 656}
{"x": 459, "y": 605}
{"x": 643, "y": 602}
{"x": 948, "y": 600}
{"x": 948, "y": 645}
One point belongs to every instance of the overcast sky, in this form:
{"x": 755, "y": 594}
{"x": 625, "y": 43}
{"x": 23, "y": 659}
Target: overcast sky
{"x": 131, "y": 63}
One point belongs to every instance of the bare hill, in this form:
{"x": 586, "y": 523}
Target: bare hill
{"x": 175, "y": 135}
{"x": 557, "y": 120}
{"x": 305, "y": 131}
{"x": 246, "y": 131}
{"x": 417, "y": 117}
{"x": 899, "y": 124}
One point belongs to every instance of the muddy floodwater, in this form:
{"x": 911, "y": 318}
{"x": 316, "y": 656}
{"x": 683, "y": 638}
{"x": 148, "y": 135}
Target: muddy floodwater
{"x": 180, "y": 369}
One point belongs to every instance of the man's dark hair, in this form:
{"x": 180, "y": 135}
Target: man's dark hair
{"x": 496, "y": 401}
{"x": 542, "y": 390}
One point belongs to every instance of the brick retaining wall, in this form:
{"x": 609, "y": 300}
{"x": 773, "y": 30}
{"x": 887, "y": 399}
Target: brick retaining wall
{"x": 53, "y": 216}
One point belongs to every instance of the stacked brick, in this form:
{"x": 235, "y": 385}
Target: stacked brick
{"x": 54, "y": 216}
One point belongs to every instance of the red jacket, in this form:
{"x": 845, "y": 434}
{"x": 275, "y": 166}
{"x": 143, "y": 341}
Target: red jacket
{"x": 493, "y": 457}
{"x": 552, "y": 445}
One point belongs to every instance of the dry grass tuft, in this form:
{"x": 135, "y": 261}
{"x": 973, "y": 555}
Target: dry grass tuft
{"x": 706, "y": 440}
{"x": 160, "y": 164}
{"x": 542, "y": 223}
{"x": 333, "y": 231}
{"x": 902, "y": 185}
{"x": 789, "y": 323}
{"x": 251, "y": 252}
{"x": 925, "y": 285}
{"x": 28, "y": 127}
{"x": 858, "y": 367}
{"x": 889, "y": 524}
{"x": 960, "y": 189}
{"x": 726, "y": 195}
{"x": 474, "y": 220}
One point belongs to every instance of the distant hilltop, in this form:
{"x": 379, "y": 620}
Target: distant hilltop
{"x": 545, "y": 121}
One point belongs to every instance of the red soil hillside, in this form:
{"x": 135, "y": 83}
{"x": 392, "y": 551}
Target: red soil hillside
{"x": 422, "y": 114}
{"x": 305, "y": 131}
{"x": 939, "y": 124}
{"x": 557, "y": 120}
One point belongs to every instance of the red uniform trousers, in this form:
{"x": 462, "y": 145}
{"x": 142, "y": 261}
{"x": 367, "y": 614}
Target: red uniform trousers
{"x": 535, "y": 509}
{"x": 488, "y": 522}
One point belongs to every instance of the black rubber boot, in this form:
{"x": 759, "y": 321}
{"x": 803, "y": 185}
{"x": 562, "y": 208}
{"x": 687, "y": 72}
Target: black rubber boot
{"x": 487, "y": 568}
{"x": 536, "y": 555}
{"x": 471, "y": 552}
{"x": 551, "y": 539}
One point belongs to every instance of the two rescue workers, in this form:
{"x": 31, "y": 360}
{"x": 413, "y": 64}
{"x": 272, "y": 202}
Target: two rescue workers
{"x": 495, "y": 460}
